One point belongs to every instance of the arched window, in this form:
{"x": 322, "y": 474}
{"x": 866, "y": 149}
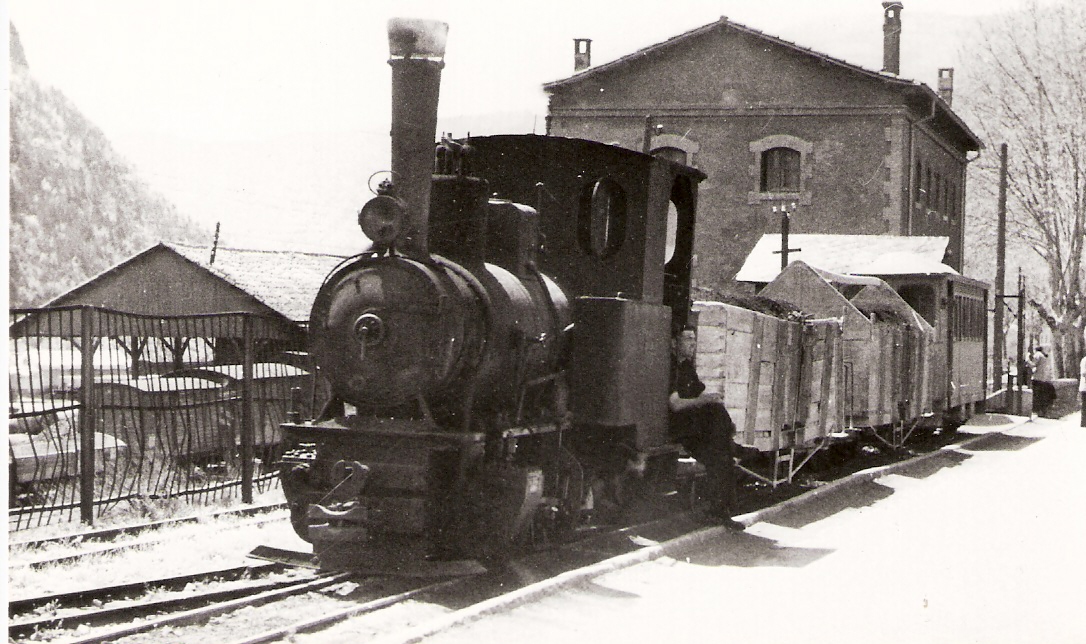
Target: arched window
{"x": 782, "y": 165}
{"x": 601, "y": 222}
{"x": 673, "y": 147}
{"x": 780, "y": 170}
{"x": 670, "y": 154}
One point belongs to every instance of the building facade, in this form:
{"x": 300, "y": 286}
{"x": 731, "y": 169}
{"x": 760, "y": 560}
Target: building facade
{"x": 776, "y": 126}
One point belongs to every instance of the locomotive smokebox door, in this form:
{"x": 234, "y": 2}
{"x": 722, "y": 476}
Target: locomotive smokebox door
{"x": 620, "y": 366}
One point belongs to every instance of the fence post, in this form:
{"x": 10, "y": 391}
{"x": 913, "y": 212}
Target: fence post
{"x": 248, "y": 432}
{"x": 87, "y": 416}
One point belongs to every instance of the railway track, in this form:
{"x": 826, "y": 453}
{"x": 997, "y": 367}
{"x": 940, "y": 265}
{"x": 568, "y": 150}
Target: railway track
{"x": 96, "y": 596}
{"x": 111, "y": 623}
{"x": 109, "y": 534}
{"x": 120, "y": 603}
{"x": 102, "y": 550}
{"x": 109, "y": 614}
{"x": 334, "y": 617}
{"x": 336, "y": 607}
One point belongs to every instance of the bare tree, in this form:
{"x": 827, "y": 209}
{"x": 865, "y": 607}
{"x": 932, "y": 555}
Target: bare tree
{"x": 1025, "y": 84}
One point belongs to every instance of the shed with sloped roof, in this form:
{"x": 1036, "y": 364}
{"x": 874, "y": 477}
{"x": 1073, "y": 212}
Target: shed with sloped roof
{"x": 169, "y": 280}
{"x": 176, "y": 279}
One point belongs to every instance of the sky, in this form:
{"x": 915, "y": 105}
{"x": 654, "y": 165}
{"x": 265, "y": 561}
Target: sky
{"x": 268, "y": 117}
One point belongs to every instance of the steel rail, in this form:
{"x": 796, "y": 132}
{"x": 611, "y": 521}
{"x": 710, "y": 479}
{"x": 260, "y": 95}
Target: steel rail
{"x": 107, "y": 534}
{"x": 201, "y": 615}
{"x": 111, "y": 549}
{"x": 335, "y": 617}
{"x": 130, "y": 611}
{"x": 76, "y": 598}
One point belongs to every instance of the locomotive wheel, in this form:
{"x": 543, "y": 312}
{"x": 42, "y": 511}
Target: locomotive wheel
{"x": 688, "y": 488}
{"x": 569, "y": 493}
{"x": 556, "y": 521}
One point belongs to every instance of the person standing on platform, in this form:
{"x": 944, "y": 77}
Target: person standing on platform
{"x": 1082, "y": 389}
{"x": 1044, "y": 392}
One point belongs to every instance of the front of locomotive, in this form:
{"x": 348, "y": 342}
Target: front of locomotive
{"x": 422, "y": 353}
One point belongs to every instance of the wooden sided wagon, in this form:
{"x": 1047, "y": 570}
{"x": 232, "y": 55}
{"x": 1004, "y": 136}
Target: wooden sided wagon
{"x": 780, "y": 380}
{"x": 886, "y": 345}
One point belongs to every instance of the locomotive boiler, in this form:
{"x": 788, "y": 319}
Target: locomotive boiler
{"x": 489, "y": 362}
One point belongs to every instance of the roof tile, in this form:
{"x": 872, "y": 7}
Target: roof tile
{"x": 286, "y": 281}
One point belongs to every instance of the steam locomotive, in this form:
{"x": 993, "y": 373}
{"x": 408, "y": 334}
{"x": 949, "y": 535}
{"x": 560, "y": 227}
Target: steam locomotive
{"x": 495, "y": 367}
{"x": 489, "y": 360}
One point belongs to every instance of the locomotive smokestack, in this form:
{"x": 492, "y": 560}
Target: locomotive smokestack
{"x": 417, "y": 50}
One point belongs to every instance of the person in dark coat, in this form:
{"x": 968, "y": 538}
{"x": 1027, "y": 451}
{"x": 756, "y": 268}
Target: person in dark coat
{"x": 1082, "y": 389}
{"x": 701, "y": 424}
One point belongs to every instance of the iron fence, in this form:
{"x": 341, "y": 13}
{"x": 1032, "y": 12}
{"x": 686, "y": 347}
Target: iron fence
{"x": 185, "y": 406}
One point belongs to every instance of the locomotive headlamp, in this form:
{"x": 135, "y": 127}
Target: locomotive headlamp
{"x": 382, "y": 219}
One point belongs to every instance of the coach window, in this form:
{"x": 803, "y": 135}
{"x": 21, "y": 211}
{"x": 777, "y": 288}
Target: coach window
{"x": 922, "y": 298}
{"x": 601, "y": 225}
{"x": 917, "y": 188}
{"x": 927, "y": 189}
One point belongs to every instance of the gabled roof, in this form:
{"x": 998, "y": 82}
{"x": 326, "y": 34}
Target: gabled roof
{"x": 863, "y": 294}
{"x": 849, "y": 255}
{"x": 285, "y": 281}
{"x": 724, "y": 23}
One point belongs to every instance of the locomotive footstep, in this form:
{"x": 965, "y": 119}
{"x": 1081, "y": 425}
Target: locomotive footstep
{"x": 286, "y": 557}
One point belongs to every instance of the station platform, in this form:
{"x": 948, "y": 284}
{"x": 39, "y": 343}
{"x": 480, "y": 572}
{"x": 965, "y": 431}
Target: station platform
{"x": 981, "y": 541}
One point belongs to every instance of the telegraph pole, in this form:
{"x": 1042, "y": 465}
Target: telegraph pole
{"x": 999, "y": 345}
{"x": 1021, "y": 338}
{"x": 786, "y": 224}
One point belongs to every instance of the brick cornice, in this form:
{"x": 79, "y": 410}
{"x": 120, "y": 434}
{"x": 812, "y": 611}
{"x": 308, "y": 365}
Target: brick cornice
{"x": 716, "y": 111}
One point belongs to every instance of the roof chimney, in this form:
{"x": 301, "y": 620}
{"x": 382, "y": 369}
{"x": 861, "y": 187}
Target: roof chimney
{"x": 946, "y": 84}
{"x": 891, "y": 37}
{"x": 582, "y": 53}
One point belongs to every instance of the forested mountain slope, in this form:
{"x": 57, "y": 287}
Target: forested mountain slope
{"x": 76, "y": 206}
